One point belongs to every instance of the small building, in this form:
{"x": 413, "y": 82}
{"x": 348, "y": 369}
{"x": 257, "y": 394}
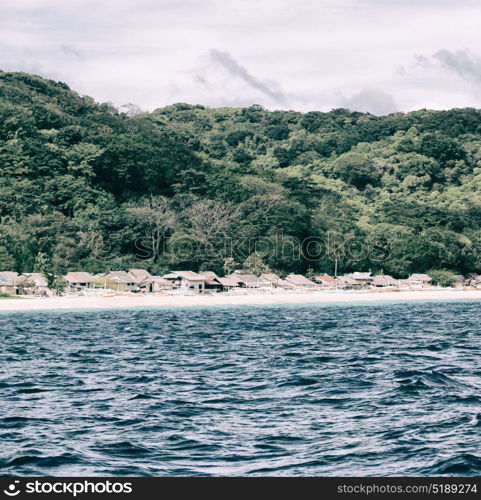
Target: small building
{"x": 122, "y": 280}
{"x": 153, "y": 284}
{"x": 363, "y": 279}
{"x": 8, "y": 282}
{"x": 228, "y": 283}
{"x": 79, "y": 280}
{"x": 272, "y": 279}
{"x": 211, "y": 281}
{"x": 36, "y": 284}
{"x": 419, "y": 280}
{"x": 139, "y": 275}
{"x": 347, "y": 282}
{"x": 247, "y": 280}
{"x": 300, "y": 281}
{"x": 384, "y": 281}
{"x": 326, "y": 282}
{"x": 187, "y": 280}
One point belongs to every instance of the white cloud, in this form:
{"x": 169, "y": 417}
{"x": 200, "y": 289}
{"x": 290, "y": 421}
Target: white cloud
{"x": 372, "y": 101}
{"x": 462, "y": 63}
{"x": 282, "y": 54}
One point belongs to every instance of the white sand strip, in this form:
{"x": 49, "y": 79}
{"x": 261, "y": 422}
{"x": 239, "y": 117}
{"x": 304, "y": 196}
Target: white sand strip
{"x": 133, "y": 301}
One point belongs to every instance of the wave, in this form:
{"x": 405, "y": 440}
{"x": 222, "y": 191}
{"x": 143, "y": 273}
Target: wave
{"x": 463, "y": 464}
{"x": 239, "y": 391}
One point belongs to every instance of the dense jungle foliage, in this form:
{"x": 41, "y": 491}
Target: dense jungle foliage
{"x": 86, "y": 187}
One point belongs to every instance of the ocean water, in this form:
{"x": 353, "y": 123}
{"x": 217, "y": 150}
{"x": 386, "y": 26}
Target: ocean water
{"x": 393, "y": 389}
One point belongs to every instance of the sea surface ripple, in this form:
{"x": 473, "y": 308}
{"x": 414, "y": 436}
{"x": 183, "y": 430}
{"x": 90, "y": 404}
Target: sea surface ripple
{"x": 393, "y": 389}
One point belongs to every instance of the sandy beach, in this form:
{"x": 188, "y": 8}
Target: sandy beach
{"x": 140, "y": 301}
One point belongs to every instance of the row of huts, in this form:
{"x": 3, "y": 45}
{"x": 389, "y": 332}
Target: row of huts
{"x": 140, "y": 280}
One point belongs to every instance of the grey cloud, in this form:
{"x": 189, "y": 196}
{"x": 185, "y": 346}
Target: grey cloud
{"x": 372, "y": 101}
{"x": 238, "y": 71}
{"x": 131, "y": 109}
{"x": 415, "y": 3}
{"x": 71, "y": 51}
{"x": 202, "y": 81}
{"x": 462, "y": 63}
{"x": 422, "y": 62}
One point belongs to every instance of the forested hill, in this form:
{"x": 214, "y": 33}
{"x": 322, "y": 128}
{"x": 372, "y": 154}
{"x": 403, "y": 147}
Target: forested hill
{"x": 84, "y": 187}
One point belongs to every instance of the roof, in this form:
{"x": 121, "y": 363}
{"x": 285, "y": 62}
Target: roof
{"x": 384, "y": 280}
{"x": 228, "y": 281}
{"x": 211, "y": 277}
{"x": 325, "y": 278}
{"x": 155, "y": 279}
{"x": 121, "y": 277}
{"x": 10, "y": 277}
{"x": 38, "y": 279}
{"x": 419, "y": 277}
{"x": 271, "y": 277}
{"x": 361, "y": 276}
{"x": 347, "y": 279}
{"x": 285, "y": 284}
{"x": 187, "y": 275}
{"x": 299, "y": 280}
{"x": 139, "y": 274}
{"x": 79, "y": 277}
{"x": 209, "y": 274}
{"x": 247, "y": 279}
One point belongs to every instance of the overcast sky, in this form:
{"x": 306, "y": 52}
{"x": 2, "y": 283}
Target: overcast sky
{"x": 369, "y": 55}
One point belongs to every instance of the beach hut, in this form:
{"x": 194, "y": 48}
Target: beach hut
{"x": 8, "y": 283}
{"x": 187, "y": 280}
{"x": 139, "y": 275}
{"x": 36, "y": 284}
{"x": 120, "y": 281}
{"x": 228, "y": 283}
{"x": 271, "y": 279}
{"x": 301, "y": 282}
{"x": 246, "y": 280}
{"x": 347, "y": 282}
{"x": 211, "y": 281}
{"x": 79, "y": 280}
{"x": 363, "y": 279}
{"x": 419, "y": 280}
{"x": 326, "y": 282}
{"x": 153, "y": 284}
{"x": 384, "y": 281}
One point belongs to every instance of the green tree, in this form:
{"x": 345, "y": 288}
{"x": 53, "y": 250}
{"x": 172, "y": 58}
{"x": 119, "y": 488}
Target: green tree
{"x": 356, "y": 169}
{"x": 7, "y": 262}
{"x": 42, "y": 264}
{"x": 443, "y": 277}
{"x": 58, "y": 284}
{"x": 255, "y": 264}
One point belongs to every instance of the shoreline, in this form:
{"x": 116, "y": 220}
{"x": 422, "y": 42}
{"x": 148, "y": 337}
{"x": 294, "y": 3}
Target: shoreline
{"x": 173, "y": 301}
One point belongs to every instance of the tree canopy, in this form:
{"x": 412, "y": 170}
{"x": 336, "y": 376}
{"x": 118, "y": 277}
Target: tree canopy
{"x": 87, "y": 187}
